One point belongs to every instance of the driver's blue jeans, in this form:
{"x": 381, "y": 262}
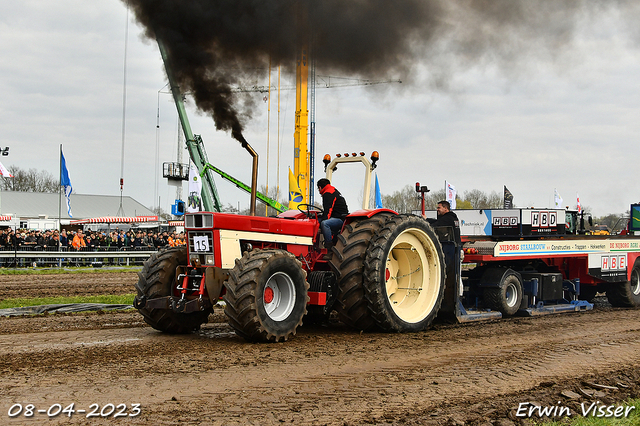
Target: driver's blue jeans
{"x": 330, "y": 227}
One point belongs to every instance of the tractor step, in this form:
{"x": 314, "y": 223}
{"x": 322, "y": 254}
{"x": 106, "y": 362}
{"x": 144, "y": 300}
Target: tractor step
{"x": 542, "y": 309}
{"x": 464, "y": 315}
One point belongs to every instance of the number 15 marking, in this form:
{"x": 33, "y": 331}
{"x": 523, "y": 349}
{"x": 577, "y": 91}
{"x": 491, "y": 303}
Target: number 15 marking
{"x": 201, "y": 243}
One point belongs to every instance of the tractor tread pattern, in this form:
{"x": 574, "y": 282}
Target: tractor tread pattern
{"x": 155, "y": 280}
{"x": 240, "y": 297}
{"x": 347, "y": 263}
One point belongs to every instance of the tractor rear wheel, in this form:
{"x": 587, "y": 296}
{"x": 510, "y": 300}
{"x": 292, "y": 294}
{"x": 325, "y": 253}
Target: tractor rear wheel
{"x": 156, "y": 280}
{"x": 266, "y": 295}
{"x": 626, "y": 294}
{"x": 347, "y": 263}
{"x": 404, "y": 275}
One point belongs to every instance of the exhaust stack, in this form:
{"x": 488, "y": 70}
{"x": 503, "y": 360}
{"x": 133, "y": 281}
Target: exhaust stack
{"x": 254, "y": 169}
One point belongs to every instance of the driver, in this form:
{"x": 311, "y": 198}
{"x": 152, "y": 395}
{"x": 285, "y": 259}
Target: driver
{"x": 335, "y": 211}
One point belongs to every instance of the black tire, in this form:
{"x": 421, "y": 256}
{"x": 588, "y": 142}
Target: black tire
{"x": 404, "y": 275}
{"x": 266, "y": 295}
{"x": 347, "y": 263}
{"x": 626, "y": 294}
{"x": 156, "y": 280}
{"x": 588, "y": 292}
{"x": 507, "y": 296}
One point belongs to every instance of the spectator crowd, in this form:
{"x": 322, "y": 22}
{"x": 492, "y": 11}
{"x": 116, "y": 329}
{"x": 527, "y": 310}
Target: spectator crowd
{"x": 78, "y": 240}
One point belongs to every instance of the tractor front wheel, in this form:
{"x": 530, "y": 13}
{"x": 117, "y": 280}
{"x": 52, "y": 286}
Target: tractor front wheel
{"x": 266, "y": 295}
{"x": 156, "y": 280}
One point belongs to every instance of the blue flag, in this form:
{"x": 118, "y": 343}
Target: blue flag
{"x": 65, "y": 181}
{"x": 378, "y": 195}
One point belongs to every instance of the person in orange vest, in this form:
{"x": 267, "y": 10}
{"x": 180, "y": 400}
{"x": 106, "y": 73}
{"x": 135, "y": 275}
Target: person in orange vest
{"x": 78, "y": 241}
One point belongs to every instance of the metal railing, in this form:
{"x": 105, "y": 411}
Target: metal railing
{"x": 27, "y": 256}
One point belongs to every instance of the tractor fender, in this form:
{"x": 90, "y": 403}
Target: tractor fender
{"x": 368, "y": 213}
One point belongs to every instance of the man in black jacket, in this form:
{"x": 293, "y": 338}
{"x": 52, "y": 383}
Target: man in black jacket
{"x": 447, "y": 218}
{"x": 335, "y": 211}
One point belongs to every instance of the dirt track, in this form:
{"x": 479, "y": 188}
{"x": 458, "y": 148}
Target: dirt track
{"x": 470, "y": 374}
{"x": 73, "y": 284}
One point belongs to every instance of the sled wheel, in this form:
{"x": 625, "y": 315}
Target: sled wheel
{"x": 626, "y": 294}
{"x": 347, "y": 263}
{"x": 404, "y": 275}
{"x": 266, "y": 295}
{"x": 507, "y": 296}
{"x": 155, "y": 280}
{"x": 588, "y": 292}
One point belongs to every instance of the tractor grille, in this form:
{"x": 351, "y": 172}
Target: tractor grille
{"x": 200, "y": 242}
{"x": 199, "y": 220}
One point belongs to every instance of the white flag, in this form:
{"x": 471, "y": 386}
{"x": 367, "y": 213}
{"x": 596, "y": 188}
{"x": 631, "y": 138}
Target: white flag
{"x": 557, "y": 198}
{"x": 4, "y": 172}
{"x": 450, "y": 192}
{"x": 194, "y": 202}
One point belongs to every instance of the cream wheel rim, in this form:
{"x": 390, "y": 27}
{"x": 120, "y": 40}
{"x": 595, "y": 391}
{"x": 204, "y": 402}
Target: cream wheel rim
{"x": 413, "y": 275}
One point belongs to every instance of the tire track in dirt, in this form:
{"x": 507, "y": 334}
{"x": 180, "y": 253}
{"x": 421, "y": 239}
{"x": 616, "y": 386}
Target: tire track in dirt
{"x": 321, "y": 376}
{"x": 75, "y": 284}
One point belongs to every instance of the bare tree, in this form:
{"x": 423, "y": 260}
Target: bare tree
{"x": 262, "y": 209}
{"x": 432, "y": 199}
{"x": 158, "y": 211}
{"x": 30, "y": 180}
{"x": 482, "y": 200}
{"x": 403, "y": 201}
{"x": 407, "y": 200}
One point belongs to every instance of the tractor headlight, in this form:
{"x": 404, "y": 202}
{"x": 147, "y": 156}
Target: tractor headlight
{"x": 209, "y": 259}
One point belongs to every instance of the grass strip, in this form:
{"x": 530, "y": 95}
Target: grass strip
{"x": 123, "y": 299}
{"x": 632, "y": 420}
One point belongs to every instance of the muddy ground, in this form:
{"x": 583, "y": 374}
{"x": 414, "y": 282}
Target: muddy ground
{"x": 474, "y": 374}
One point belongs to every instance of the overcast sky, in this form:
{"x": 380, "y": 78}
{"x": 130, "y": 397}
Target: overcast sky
{"x": 571, "y": 121}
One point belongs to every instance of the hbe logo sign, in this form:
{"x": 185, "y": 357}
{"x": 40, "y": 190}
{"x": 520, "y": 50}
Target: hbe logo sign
{"x": 613, "y": 263}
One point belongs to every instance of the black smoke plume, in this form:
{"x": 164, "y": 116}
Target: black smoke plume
{"x": 214, "y": 45}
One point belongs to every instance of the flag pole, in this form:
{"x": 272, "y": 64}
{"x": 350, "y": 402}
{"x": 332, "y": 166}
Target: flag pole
{"x": 60, "y": 204}
{"x": 60, "y": 196}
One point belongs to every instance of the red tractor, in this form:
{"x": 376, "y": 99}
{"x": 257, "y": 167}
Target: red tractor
{"x": 386, "y": 270}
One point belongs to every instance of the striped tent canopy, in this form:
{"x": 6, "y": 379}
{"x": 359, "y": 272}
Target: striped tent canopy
{"x": 115, "y": 219}
{"x": 176, "y": 223}
{"x": 5, "y": 218}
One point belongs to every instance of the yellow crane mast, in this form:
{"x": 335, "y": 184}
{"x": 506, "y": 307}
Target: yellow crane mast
{"x": 300, "y": 149}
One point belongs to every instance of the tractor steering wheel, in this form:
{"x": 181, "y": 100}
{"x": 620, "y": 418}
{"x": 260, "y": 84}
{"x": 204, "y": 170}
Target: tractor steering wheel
{"x": 310, "y": 209}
